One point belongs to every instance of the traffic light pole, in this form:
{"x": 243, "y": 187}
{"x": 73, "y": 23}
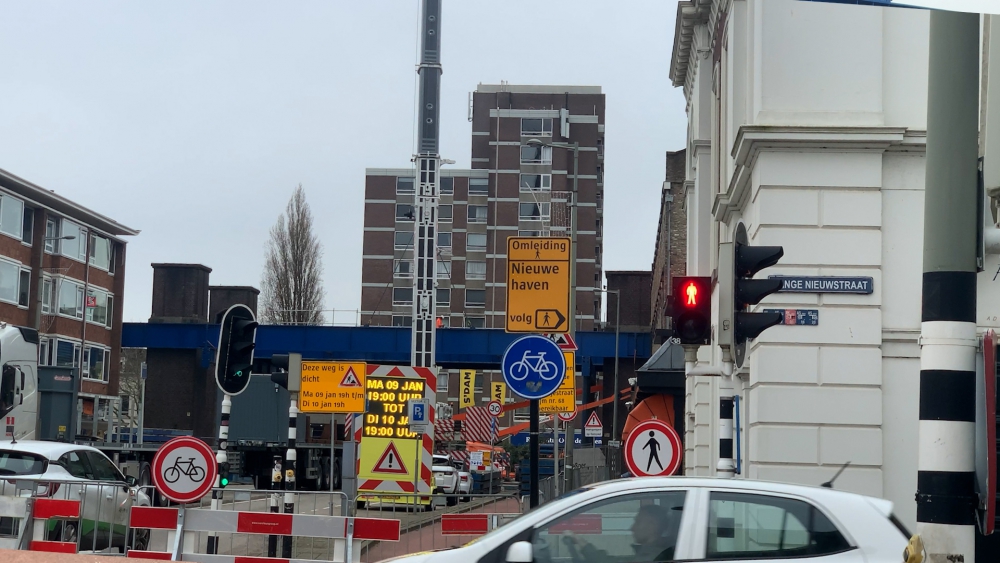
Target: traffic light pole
{"x": 946, "y": 498}
{"x": 222, "y": 461}
{"x": 534, "y": 413}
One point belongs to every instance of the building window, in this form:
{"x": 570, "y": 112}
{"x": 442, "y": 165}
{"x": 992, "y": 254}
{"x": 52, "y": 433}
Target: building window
{"x": 536, "y": 127}
{"x": 402, "y": 296}
{"x": 43, "y": 352}
{"x": 67, "y": 354}
{"x": 443, "y": 321}
{"x": 99, "y": 307}
{"x": 404, "y": 212}
{"x": 51, "y": 234}
{"x": 536, "y": 182}
{"x": 479, "y": 186}
{"x": 532, "y": 154}
{"x": 405, "y": 186}
{"x": 444, "y": 239}
{"x": 533, "y": 211}
{"x": 402, "y": 269}
{"x": 533, "y": 233}
{"x": 475, "y": 322}
{"x": 70, "y": 299}
{"x": 475, "y": 242}
{"x": 477, "y": 214}
{"x": 14, "y": 283}
{"x": 444, "y": 213}
{"x": 27, "y": 225}
{"x": 75, "y": 247}
{"x": 95, "y": 363}
{"x": 12, "y": 217}
{"x": 402, "y": 320}
{"x": 100, "y": 252}
{"x": 402, "y": 240}
{"x": 442, "y": 381}
{"x": 475, "y": 270}
{"x": 443, "y": 297}
{"x": 475, "y": 297}
{"x": 444, "y": 269}
{"x": 447, "y": 185}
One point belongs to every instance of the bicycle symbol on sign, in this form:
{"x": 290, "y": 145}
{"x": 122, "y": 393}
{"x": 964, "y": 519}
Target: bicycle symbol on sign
{"x": 174, "y": 472}
{"x": 528, "y": 364}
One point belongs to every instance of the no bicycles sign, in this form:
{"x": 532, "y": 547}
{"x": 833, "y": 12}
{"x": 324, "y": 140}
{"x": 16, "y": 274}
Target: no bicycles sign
{"x": 184, "y": 469}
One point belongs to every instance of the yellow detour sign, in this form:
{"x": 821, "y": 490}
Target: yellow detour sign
{"x": 538, "y": 284}
{"x": 498, "y": 392}
{"x": 466, "y": 389}
{"x": 388, "y": 459}
{"x": 564, "y": 399}
{"x": 332, "y": 387}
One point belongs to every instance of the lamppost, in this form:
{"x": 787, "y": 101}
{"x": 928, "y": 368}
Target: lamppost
{"x": 615, "y": 443}
{"x": 575, "y": 147}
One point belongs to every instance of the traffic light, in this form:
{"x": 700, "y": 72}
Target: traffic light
{"x": 738, "y": 262}
{"x": 692, "y": 309}
{"x": 223, "y": 475}
{"x": 286, "y": 371}
{"x": 234, "y": 357}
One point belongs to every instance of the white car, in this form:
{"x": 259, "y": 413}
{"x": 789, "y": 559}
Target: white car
{"x": 464, "y": 482}
{"x": 74, "y": 472}
{"x": 445, "y": 478}
{"x": 676, "y": 518}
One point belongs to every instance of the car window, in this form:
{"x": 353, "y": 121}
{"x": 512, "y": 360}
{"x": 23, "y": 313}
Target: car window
{"x": 21, "y": 463}
{"x": 104, "y": 470}
{"x": 8, "y": 377}
{"x": 76, "y": 465}
{"x": 637, "y": 528}
{"x": 744, "y": 525}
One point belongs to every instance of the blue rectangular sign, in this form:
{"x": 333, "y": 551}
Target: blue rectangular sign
{"x": 801, "y": 317}
{"x": 826, "y": 284}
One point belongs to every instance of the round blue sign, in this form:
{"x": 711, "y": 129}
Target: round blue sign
{"x": 533, "y": 367}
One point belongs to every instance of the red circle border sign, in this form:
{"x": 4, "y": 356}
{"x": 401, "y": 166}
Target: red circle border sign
{"x": 211, "y": 473}
{"x": 672, "y": 437}
{"x": 567, "y": 416}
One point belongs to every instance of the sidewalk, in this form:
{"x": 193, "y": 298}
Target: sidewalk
{"x": 8, "y": 556}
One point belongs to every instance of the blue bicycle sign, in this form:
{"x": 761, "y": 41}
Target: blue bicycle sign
{"x": 533, "y": 366}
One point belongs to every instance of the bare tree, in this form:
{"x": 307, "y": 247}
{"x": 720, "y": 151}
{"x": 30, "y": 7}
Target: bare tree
{"x": 292, "y": 283}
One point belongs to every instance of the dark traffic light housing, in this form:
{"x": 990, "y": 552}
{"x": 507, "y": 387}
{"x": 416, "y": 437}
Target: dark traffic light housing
{"x": 223, "y": 475}
{"x": 279, "y": 370}
{"x": 691, "y": 309}
{"x": 747, "y": 261}
{"x": 234, "y": 356}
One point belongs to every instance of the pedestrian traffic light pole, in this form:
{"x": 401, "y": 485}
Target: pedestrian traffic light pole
{"x": 946, "y": 498}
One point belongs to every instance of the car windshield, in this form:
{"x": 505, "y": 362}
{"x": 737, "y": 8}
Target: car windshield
{"x": 21, "y": 463}
{"x": 565, "y": 498}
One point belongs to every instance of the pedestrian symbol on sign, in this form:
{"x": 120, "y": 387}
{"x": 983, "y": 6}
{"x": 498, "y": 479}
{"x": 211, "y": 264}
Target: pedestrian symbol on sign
{"x": 653, "y": 445}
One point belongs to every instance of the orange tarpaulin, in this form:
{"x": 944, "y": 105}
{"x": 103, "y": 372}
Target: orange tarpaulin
{"x": 660, "y": 407}
{"x": 524, "y": 425}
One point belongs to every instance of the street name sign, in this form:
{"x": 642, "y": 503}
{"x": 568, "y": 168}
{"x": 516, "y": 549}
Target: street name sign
{"x": 538, "y": 272}
{"x": 184, "y": 469}
{"x": 653, "y": 449}
{"x": 564, "y": 398}
{"x": 825, "y": 284}
{"x": 533, "y": 367}
{"x": 332, "y": 387}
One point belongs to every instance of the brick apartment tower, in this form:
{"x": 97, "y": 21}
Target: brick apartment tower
{"x": 514, "y": 189}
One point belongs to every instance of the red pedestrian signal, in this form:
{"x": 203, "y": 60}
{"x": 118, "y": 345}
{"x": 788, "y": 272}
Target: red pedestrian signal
{"x": 692, "y": 309}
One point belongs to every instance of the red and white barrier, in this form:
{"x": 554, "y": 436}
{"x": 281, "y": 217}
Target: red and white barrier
{"x": 44, "y": 509}
{"x": 472, "y": 524}
{"x": 341, "y": 529}
{"x": 14, "y": 508}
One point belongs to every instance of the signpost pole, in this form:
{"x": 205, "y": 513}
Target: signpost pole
{"x": 294, "y": 385}
{"x": 555, "y": 456}
{"x": 533, "y": 413}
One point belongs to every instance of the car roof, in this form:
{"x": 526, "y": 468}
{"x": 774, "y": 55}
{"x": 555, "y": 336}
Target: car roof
{"x": 51, "y": 450}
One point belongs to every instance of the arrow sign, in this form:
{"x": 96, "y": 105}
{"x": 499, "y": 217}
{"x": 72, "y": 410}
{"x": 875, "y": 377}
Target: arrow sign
{"x": 548, "y": 319}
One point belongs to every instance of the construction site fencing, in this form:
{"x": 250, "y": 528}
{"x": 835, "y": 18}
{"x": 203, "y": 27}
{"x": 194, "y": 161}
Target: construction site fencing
{"x": 428, "y": 522}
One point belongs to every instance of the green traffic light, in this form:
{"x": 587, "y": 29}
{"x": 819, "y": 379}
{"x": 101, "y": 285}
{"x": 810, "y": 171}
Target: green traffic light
{"x": 224, "y": 481}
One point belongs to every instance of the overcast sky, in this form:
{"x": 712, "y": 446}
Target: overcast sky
{"x": 194, "y": 120}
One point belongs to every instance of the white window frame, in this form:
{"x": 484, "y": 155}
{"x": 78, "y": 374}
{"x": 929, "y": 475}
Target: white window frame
{"x": 79, "y": 294}
{"x": 394, "y": 302}
{"x": 403, "y": 218}
{"x": 413, "y": 183}
{"x": 19, "y": 223}
{"x": 448, "y": 191}
{"x": 81, "y": 237}
{"x": 48, "y": 293}
{"x": 474, "y": 276}
{"x": 438, "y": 301}
{"x": 407, "y": 246}
{"x": 110, "y": 300}
{"x": 477, "y": 219}
{"x": 111, "y": 252}
{"x": 477, "y": 317}
{"x": 19, "y": 269}
{"x": 451, "y": 213}
{"x": 44, "y": 351}
{"x": 450, "y": 238}
{"x": 392, "y": 321}
{"x": 52, "y": 235}
{"x": 475, "y": 247}
{"x": 399, "y": 271}
{"x": 544, "y": 211}
{"x": 542, "y": 132}
{"x": 545, "y": 155}
{"x": 54, "y": 344}
{"x": 476, "y": 305}
{"x": 546, "y": 181}
{"x": 442, "y": 382}
{"x": 483, "y": 183}
{"x": 443, "y": 269}
{"x": 532, "y": 233}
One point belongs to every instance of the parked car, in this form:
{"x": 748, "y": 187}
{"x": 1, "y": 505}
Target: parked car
{"x": 72, "y": 472}
{"x": 464, "y": 481}
{"x": 445, "y": 478}
{"x": 649, "y": 519}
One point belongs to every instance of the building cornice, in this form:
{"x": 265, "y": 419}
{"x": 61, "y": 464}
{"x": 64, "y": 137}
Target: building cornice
{"x": 690, "y": 13}
{"x": 751, "y": 140}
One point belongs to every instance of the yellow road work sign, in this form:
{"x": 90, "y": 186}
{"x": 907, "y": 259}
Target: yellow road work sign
{"x": 388, "y": 459}
{"x": 334, "y": 387}
{"x": 538, "y": 272}
{"x": 467, "y": 388}
{"x": 564, "y": 399}
{"x": 498, "y": 392}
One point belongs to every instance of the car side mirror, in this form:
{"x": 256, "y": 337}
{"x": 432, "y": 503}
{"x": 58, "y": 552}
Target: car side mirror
{"x": 519, "y": 552}
{"x": 131, "y": 481}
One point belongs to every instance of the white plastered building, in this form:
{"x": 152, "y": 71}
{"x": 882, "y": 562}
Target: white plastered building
{"x": 807, "y": 122}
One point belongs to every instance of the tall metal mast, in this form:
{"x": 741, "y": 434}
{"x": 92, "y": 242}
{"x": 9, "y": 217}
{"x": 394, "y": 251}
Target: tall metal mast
{"x": 425, "y": 207}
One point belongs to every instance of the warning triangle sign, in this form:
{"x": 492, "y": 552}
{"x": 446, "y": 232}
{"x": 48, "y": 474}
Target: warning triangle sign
{"x": 350, "y": 379}
{"x": 390, "y": 462}
{"x": 593, "y": 421}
